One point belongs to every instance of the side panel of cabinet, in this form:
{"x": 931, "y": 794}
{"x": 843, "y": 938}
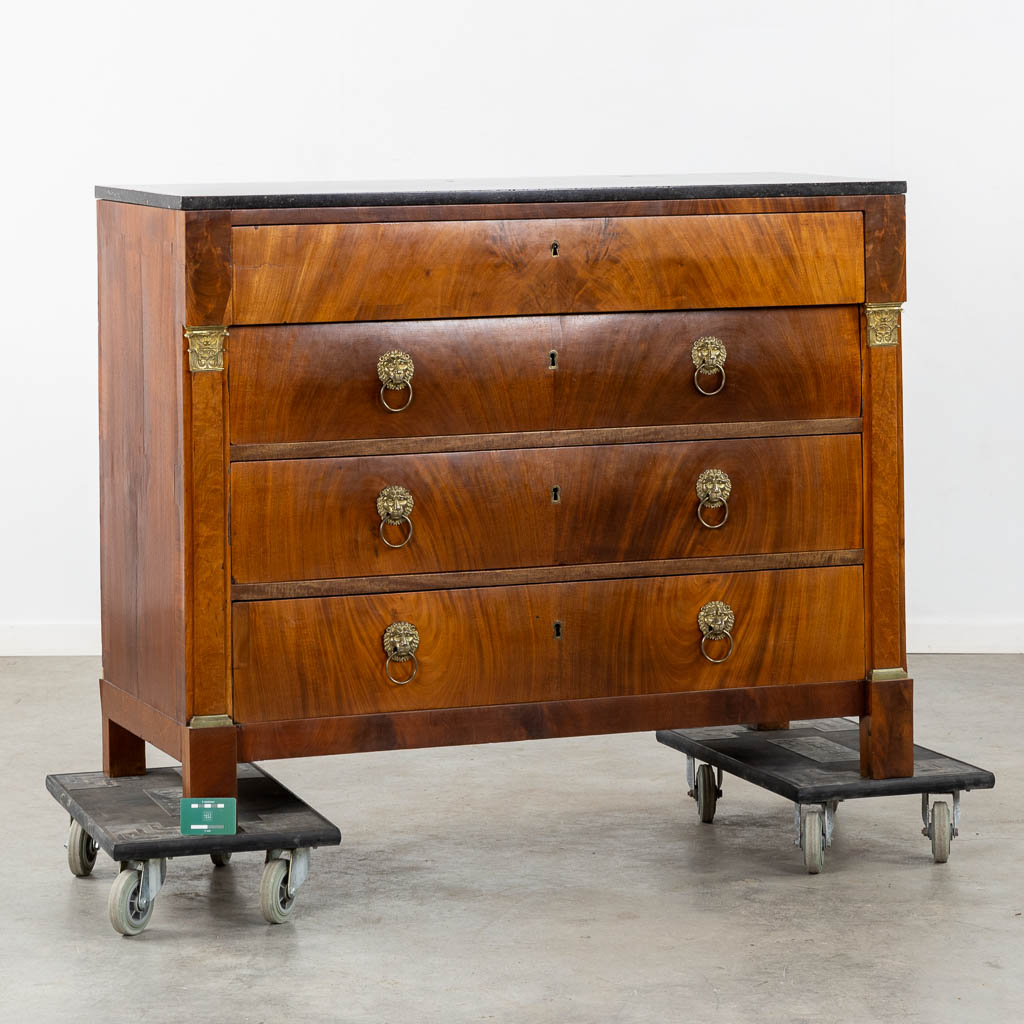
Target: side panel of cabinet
{"x": 142, "y": 378}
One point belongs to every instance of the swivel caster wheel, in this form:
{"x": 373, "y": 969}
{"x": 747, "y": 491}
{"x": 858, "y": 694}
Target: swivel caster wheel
{"x": 221, "y": 859}
{"x": 706, "y": 793}
{"x": 276, "y": 904}
{"x": 129, "y": 911}
{"x": 812, "y": 841}
{"x": 134, "y": 893}
{"x": 82, "y": 851}
{"x": 940, "y": 830}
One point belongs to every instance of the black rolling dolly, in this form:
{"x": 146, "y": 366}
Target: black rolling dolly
{"x": 816, "y": 764}
{"x": 135, "y": 821}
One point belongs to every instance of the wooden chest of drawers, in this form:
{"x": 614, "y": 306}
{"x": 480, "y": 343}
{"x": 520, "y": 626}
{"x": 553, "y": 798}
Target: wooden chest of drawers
{"x": 460, "y": 464}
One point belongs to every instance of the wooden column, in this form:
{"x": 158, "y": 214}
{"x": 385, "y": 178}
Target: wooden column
{"x": 208, "y": 754}
{"x": 887, "y": 733}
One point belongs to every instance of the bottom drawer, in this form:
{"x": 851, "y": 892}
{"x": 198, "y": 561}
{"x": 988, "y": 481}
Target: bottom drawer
{"x": 320, "y": 657}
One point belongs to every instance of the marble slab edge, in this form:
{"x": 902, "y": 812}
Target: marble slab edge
{"x": 462, "y": 197}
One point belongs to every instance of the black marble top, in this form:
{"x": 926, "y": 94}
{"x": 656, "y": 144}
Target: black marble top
{"x": 457, "y": 191}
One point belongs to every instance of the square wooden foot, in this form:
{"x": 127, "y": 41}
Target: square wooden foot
{"x": 124, "y": 753}
{"x": 887, "y": 730}
{"x": 769, "y": 726}
{"x": 209, "y": 762}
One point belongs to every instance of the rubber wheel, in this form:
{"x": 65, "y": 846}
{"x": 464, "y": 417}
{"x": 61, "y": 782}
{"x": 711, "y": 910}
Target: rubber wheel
{"x": 126, "y": 917}
{"x": 707, "y": 793}
{"x": 81, "y": 851}
{"x": 942, "y": 832}
{"x": 813, "y": 842}
{"x": 275, "y": 903}
{"x": 221, "y": 858}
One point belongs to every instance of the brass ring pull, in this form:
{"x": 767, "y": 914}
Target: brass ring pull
{"x": 401, "y": 641}
{"x": 713, "y": 490}
{"x": 395, "y": 371}
{"x": 709, "y": 368}
{"x": 394, "y": 506}
{"x": 716, "y": 621}
{"x": 391, "y": 408}
{"x": 401, "y": 682}
{"x": 408, "y": 536}
{"x": 728, "y": 654}
{"x": 708, "y": 354}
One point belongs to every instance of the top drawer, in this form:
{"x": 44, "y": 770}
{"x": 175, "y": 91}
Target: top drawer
{"x": 308, "y": 273}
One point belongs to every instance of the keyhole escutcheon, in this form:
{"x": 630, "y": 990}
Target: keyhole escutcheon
{"x": 556, "y": 494}
{"x": 554, "y": 248}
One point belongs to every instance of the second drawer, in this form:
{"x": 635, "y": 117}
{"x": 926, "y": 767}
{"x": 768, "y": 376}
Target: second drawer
{"x": 309, "y": 519}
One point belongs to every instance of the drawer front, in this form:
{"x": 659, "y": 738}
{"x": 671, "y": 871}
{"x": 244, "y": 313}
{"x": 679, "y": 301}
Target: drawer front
{"x": 314, "y": 658}
{"x": 306, "y": 273}
{"x": 307, "y": 519}
{"x": 320, "y": 383}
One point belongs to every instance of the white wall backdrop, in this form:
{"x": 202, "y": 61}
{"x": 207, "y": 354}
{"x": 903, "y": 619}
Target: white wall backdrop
{"x": 128, "y": 92}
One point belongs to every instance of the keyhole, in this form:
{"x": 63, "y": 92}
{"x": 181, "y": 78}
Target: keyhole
{"x": 553, "y": 360}
{"x": 556, "y": 494}
{"x": 558, "y": 631}
{"x": 554, "y": 248}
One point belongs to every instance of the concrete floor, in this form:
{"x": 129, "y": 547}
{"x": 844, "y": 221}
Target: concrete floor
{"x": 561, "y": 881}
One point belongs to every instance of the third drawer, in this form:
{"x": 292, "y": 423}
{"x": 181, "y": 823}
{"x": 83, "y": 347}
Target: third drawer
{"x": 308, "y": 519}
{"x": 313, "y": 658}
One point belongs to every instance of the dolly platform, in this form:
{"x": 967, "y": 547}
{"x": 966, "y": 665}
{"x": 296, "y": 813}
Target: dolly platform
{"x": 816, "y": 764}
{"x": 135, "y": 820}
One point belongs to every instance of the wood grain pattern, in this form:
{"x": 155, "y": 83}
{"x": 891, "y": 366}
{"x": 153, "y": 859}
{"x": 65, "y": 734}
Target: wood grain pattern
{"x": 328, "y": 272}
{"x": 124, "y": 753}
{"x": 884, "y": 222}
{"x": 539, "y": 439}
{"x": 316, "y": 518}
{"x": 548, "y": 719}
{"x": 634, "y": 502}
{"x": 208, "y": 762}
{"x": 542, "y": 574}
{"x": 142, "y": 449}
{"x": 885, "y": 249}
{"x": 883, "y": 501}
{"x": 886, "y": 730}
{"x": 319, "y": 382}
{"x": 620, "y": 370}
{"x": 209, "y": 678}
{"x": 323, "y": 657}
{"x": 207, "y": 269}
{"x": 139, "y": 719}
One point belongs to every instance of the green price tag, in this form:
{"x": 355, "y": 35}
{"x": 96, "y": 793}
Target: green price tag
{"x": 211, "y": 817}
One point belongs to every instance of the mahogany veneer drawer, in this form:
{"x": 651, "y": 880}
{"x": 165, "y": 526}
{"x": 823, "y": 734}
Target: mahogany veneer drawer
{"x": 298, "y": 273}
{"x": 314, "y": 658}
{"x": 319, "y": 382}
{"x": 309, "y": 519}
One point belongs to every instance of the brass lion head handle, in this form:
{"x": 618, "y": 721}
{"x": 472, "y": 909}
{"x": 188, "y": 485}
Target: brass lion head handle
{"x": 708, "y": 355}
{"x": 395, "y": 370}
{"x": 394, "y": 506}
{"x": 401, "y": 641}
{"x": 713, "y": 490}
{"x": 716, "y": 621}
